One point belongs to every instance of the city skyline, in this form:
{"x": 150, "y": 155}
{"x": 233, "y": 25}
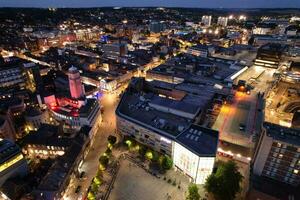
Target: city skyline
{"x": 155, "y": 3}
{"x": 152, "y": 103}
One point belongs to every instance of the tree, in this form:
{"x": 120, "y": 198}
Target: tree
{"x": 193, "y": 192}
{"x": 103, "y": 161}
{"x": 225, "y": 183}
{"x": 112, "y": 139}
{"x": 142, "y": 151}
{"x": 155, "y": 157}
{"x": 108, "y": 151}
{"x": 149, "y": 154}
{"x": 165, "y": 162}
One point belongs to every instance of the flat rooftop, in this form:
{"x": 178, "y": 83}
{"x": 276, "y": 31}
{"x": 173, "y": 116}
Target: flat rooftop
{"x": 202, "y": 141}
{"x": 140, "y": 112}
{"x": 284, "y": 134}
{"x": 8, "y": 150}
{"x": 165, "y": 108}
{"x": 197, "y": 69}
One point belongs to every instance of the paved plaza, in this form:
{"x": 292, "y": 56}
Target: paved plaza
{"x": 134, "y": 183}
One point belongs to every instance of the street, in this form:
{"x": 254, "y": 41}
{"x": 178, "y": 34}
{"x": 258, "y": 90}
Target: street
{"x": 90, "y": 164}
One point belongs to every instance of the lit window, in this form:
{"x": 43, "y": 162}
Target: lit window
{"x": 278, "y": 144}
{"x": 296, "y": 171}
{"x": 280, "y": 155}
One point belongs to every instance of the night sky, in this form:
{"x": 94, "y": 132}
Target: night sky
{"x": 164, "y": 3}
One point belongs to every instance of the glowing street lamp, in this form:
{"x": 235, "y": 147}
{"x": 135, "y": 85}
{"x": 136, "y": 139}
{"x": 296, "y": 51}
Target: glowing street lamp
{"x": 230, "y": 17}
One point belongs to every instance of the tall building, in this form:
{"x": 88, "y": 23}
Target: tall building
{"x": 115, "y": 50}
{"x": 222, "y": 21}
{"x": 12, "y": 162}
{"x": 206, "y": 20}
{"x": 278, "y": 154}
{"x": 76, "y": 88}
{"x": 156, "y": 27}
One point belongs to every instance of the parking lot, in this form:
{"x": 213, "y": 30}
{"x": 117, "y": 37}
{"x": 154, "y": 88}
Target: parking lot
{"x": 134, "y": 183}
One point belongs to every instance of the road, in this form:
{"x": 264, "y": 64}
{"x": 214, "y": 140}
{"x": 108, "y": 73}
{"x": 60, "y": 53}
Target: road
{"x": 90, "y": 164}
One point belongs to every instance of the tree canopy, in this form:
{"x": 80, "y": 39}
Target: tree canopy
{"x": 193, "y": 192}
{"x": 166, "y": 162}
{"x": 225, "y": 183}
{"x": 104, "y": 161}
{"x": 112, "y": 139}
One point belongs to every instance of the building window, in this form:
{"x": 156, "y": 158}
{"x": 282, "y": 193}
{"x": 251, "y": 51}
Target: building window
{"x": 278, "y": 145}
{"x": 296, "y": 171}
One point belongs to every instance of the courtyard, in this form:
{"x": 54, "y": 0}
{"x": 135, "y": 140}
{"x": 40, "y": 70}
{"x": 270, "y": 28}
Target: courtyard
{"x": 134, "y": 183}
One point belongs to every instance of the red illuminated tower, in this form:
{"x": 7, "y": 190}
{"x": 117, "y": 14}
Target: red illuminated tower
{"x": 75, "y": 84}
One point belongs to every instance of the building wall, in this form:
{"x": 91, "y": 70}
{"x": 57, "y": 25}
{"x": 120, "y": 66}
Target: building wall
{"x": 10, "y": 77}
{"x": 16, "y": 166}
{"x": 198, "y": 168}
{"x": 262, "y": 154}
{"x": 278, "y": 160}
{"x": 198, "y": 52}
{"x": 7, "y": 129}
{"x": 144, "y": 136}
{"x": 36, "y": 121}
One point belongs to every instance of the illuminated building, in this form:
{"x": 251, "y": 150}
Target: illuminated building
{"x": 206, "y": 20}
{"x": 278, "y": 154}
{"x": 195, "y": 152}
{"x": 12, "y": 162}
{"x": 161, "y": 116}
{"x": 222, "y": 21}
{"x": 75, "y": 114}
{"x": 67, "y": 152}
{"x": 115, "y": 50}
{"x": 269, "y": 55}
{"x": 11, "y": 73}
{"x": 200, "y": 50}
{"x": 33, "y": 77}
{"x": 264, "y": 29}
{"x": 35, "y": 117}
{"x": 76, "y": 88}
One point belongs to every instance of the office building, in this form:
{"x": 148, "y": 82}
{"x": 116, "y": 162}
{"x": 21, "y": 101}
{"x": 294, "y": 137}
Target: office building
{"x": 11, "y": 74}
{"x": 115, "y": 50}
{"x": 206, "y": 20}
{"x": 278, "y": 154}
{"x": 156, "y": 27}
{"x": 222, "y": 21}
